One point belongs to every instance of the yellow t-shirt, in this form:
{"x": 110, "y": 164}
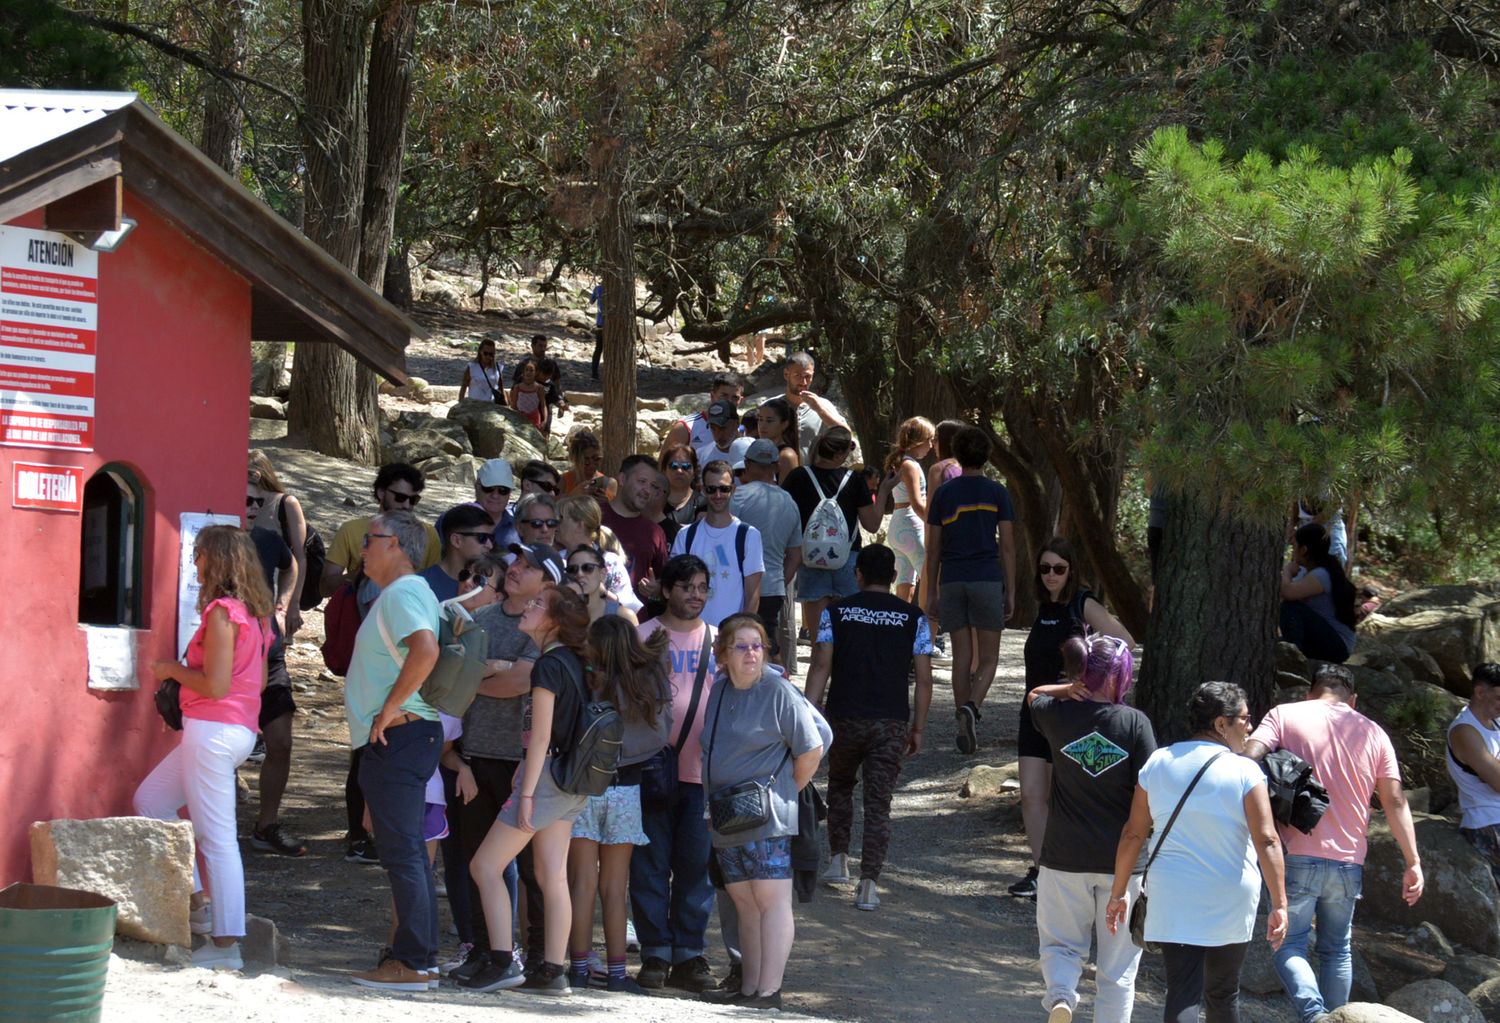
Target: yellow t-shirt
{"x": 348, "y": 542}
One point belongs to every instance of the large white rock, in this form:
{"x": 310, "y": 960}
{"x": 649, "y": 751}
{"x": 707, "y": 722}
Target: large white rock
{"x": 1368, "y": 1012}
{"x": 145, "y": 865}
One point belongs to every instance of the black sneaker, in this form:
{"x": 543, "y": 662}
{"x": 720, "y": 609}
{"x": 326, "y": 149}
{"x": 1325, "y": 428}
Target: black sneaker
{"x": 1026, "y": 887}
{"x": 623, "y": 986}
{"x": 549, "y": 979}
{"x": 653, "y": 973}
{"x": 692, "y": 975}
{"x": 770, "y": 1001}
{"x": 492, "y": 976}
{"x": 734, "y": 980}
{"x": 275, "y": 839}
{"x": 725, "y": 996}
{"x": 476, "y": 960}
{"x": 361, "y": 850}
{"x": 967, "y": 738}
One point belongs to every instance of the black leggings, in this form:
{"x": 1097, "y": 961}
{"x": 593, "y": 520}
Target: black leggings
{"x": 1311, "y": 633}
{"x": 1206, "y": 978}
{"x": 354, "y": 799}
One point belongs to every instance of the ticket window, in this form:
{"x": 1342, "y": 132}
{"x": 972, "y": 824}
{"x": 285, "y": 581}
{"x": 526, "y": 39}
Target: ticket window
{"x": 110, "y": 580}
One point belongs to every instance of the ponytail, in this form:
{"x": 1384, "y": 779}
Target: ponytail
{"x": 1314, "y": 536}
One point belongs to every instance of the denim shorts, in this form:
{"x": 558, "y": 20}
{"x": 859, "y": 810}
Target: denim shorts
{"x": 613, "y": 818}
{"x": 971, "y": 605}
{"x": 827, "y": 583}
{"x": 769, "y": 859}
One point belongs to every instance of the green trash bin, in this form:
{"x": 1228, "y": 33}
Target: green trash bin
{"x": 54, "y": 952}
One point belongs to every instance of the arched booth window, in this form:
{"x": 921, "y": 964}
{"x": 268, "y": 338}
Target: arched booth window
{"x": 111, "y": 569}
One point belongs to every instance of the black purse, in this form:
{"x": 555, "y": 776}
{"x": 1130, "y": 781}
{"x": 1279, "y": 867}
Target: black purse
{"x": 659, "y": 774}
{"x": 1138, "y": 911}
{"x": 169, "y": 703}
{"x": 743, "y": 806}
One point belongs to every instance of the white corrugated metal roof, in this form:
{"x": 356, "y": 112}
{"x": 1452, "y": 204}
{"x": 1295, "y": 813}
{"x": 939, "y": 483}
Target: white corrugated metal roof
{"x": 30, "y": 117}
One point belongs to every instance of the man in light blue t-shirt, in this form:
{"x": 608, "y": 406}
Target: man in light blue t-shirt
{"x": 399, "y": 739}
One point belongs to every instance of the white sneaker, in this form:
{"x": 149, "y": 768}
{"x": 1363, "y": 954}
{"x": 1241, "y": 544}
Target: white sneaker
{"x": 201, "y": 920}
{"x": 837, "y": 873}
{"x": 1062, "y": 1012}
{"x": 632, "y": 943}
{"x": 212, "y": 957}
{"x": 864, "y": 896}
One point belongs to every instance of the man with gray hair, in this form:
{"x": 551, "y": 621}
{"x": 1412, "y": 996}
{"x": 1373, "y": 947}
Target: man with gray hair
{"x": 401, "y": 739}
{"x": 1353, "y": 757}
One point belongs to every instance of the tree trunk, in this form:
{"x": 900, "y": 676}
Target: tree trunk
{"x": 617, "y": 257}
{"x": 333, "y": 402}
{"x": 1217, "y": 590}
{"x": 223, "y": 120}
{"x": 391, "y": 64}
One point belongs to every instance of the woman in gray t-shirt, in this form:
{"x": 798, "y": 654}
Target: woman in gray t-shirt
{"x": 757, "y": 728}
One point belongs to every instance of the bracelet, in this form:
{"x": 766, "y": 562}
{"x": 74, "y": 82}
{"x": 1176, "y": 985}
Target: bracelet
{"x": 1117, "y": 898}
{"x": 525, "y": 796}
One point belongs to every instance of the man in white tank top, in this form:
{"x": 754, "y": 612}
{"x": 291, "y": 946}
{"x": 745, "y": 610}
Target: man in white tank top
{"x": 693, "y": 430}
{"x": 1474, "y": 763}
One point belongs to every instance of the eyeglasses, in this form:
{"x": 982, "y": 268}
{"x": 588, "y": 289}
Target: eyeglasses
{"x": 484, "y": 538}
{"x": 255, "y": 501}
{"x": 748, "y": 648}
{"x": 723, "y": 488}
{"x": 1245, "y": 717}
{"x": 681, "y": 466}
{"x": 546, "y": 486}
{"x": 586, "y": 568}
{"x": 535, "y": 603}
{"x": 496, "y": 491}
{"x": 702, "y": 589}
{"x": 378, "y": 536}
{"x": 1060, "y": 568}
{"x": 399, "y": 498}
{"x": 542, "y": 523}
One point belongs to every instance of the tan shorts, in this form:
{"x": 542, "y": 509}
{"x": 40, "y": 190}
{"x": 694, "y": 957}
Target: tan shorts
{"x": 549, "y": 803}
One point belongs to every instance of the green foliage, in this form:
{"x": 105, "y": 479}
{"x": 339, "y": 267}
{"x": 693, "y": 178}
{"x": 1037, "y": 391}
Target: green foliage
{"x": 42, "y": 48}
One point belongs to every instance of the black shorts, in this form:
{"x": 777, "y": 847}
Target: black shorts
{"x": 274, "y": 702}
{"x": 1029, "y": 741}
{"x": 770, "y": 616}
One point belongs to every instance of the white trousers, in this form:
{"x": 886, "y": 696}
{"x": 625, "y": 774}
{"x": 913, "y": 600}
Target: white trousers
{"x": 1069, "y": 913}
{"x": 199, "y": 774}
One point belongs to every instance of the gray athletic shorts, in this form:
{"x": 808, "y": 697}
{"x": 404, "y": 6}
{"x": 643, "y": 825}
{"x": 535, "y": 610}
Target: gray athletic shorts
{"x": 976, "y": 605}
{"x": 550, "y": 804}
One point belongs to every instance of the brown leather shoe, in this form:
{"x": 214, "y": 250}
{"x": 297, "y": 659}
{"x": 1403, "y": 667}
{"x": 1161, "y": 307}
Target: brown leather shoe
{"x": 392, "y": 975}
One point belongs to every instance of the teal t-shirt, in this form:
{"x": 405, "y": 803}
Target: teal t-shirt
{"x": 406, "y": 606}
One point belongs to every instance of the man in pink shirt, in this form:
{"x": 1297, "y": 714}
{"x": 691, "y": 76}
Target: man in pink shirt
{"x": 1353, "y": 757}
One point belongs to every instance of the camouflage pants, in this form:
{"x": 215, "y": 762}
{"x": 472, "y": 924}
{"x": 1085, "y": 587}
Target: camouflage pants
{"x": 871, "y": 748}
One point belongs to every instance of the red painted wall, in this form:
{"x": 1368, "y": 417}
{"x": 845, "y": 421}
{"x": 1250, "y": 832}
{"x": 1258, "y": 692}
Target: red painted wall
{"x": 173, "y": 370}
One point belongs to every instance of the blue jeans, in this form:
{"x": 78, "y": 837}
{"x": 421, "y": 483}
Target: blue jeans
{"x": 670, "y": 893}
{"x": 1325, "y": 891}
{"x": 393, "y": 778}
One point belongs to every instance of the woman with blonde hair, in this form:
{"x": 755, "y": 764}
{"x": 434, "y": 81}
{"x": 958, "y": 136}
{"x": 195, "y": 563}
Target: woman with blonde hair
{"x": 286, "y": 511}
{"x": 221, "y": 683}
{"x": 586, "y": 455}
{"x": 905, "y": 483}
{"x": 580, "y": 523}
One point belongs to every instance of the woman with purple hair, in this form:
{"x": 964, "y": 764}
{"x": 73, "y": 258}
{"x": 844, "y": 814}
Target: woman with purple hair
{"x": 1098, "y": 744}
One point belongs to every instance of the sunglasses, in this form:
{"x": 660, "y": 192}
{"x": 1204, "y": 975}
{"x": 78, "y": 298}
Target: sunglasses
{"x": 496, "y": 491}
{"x": 544, "y": 485}
{"x": 256, "y": 501}
{"x": 680, "y": 466}
{"x": 585, "y": 569}
{"x": 484, "y": 538}
{"x": 465, "y": 575}
{"x": 748, "y": 648}
{"x": 1058, "y": 569}
{"x": 399, "y": 498}
{"x": 536, "y": 603}
{"x": 377, "y": 536}
{"x": 542, "y": 523}
{"x": 723, "y": 488}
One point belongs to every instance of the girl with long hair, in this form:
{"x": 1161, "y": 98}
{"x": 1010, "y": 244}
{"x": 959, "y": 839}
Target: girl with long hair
{"x": 907, "y": 486}
{"x": 286, "y": 511}
{"x": 221, "y": 682}
{"x": 586, "y": 570}
{"x": 777, "y": 423}
{"x": 632, "y": 675}
{"x": 1317, "y": 602}
{"x": 946, "y": 467}
{"x": 586, "y": 455}
{"x": 580, "y": 523}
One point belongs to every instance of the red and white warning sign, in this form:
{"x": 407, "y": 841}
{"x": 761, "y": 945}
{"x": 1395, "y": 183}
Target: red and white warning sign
{"x": 47, "y": 487}
{"x": 49, "y": 319}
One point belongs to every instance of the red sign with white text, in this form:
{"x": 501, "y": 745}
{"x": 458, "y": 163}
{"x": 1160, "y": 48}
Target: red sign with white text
{"x": 47, "y": 487}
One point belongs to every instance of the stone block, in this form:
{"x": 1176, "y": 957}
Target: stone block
{"x": 1487, "y": 997}
{"x": 1435, "y": 1001}
{"x": 145, "y": 865}
{"x": 264, "y": 944}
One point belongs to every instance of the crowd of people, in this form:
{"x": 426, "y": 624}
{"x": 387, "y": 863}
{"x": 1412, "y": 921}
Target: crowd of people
{"x": 675, "y": 591}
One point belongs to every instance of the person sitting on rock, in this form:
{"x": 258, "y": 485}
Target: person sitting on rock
{"x": 1317, "y": 599}
{"x": 1474, "y": 764}
{"x": 1353, "y": 757}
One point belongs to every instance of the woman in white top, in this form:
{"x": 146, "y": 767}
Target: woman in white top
{"x": 484, "y": 379}
{"x": 907, "y": 486}
{"x": 1203, "y": 885}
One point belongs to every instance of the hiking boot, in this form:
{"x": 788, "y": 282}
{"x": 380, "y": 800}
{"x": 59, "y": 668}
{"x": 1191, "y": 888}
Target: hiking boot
{"x": 549, "y": 979}
{"x": 623, "y": 986}
{"x": 1062, "y": 1012}
{"x": 734, "y": 979}
{"x": 361, "y": 850}
{"x": 458, "y": 959}
{"x": 392, "y": 975}
{"x": 274, "y": 839}
{"x": 770, "y": 1001}
{"x": 692, "y": 975}
{"x": 865, "y": 897}
{"x": 967, "y": 739}
{"x": 490, "y": 975}
{"x": 653, "y": 973}
{"x": 1025, "y": 888}
{"x": 211, "y": 957}
{"x": 837, "y": 873}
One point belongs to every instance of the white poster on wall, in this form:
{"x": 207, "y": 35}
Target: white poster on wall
{"x": 111, "y": 657}
{"x": 187, "y": 574}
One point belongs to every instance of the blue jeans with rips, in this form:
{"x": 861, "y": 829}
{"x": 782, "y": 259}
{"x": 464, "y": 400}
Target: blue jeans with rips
{"x": 670, "y": 893}
{"x": 1324, "y": 892}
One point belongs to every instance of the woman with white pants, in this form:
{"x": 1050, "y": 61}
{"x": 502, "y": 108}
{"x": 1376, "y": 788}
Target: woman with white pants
{"x": 221, "y": 686}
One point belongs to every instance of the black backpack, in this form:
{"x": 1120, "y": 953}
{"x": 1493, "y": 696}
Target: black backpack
{"x": 316, "y": 555}
{"x": 588, "y": 766}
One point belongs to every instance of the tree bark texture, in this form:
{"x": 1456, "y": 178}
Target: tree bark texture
{"x": 617, "y": 257}
{"x": 223, "y": 118}
{"x": 1217, "y": 593}
{"x": 390, "y": 83}
{"x": 334, "y": 400}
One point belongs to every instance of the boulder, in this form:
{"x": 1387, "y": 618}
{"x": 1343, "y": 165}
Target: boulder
{"x": 1367, "y": 1012}
{"x": 985, "y": 780}
{"x": 269, "y": 376}
{"x": 1487, "y": 997}
{"x": 266, "y": 408}
{"x": 655, "y": 405}
{"x": 449, "y": 468}
{"x": 578, "y": 320}
{"x": 1460, "y": 897}
{"x": 422, "y": 443}
{"x": 1427, "y": 937}
{"x": 1427, "y": 598}
{"x": 1435, "y": 1001}
{"x": 264, "y": 944}
{"x": 268, "y": 429}
{"x": 1456, "y": 637}
{"x": 1292, "y": 661}
{"x": 145, "y": 865}
{"x": 1467, "y": 971}
{"x": 1258, "y": 975}
{"x": 490, "y": 427}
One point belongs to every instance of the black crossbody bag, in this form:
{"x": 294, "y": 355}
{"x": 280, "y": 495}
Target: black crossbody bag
{"x": 1138, "y": 911}
{"x": 741, "y": 807}
{"x": 659, "y": 774}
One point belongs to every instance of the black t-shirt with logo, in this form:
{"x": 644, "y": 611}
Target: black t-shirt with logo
{"x": 875, "y": 636}
{"x": 1098, "y": 749}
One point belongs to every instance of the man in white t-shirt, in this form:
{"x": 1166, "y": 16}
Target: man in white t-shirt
{"x": 730, "y": 548}
{"x": 726, "y": 445}
{"x": 693, "y": 430}
{"x": 1474, "y": 765}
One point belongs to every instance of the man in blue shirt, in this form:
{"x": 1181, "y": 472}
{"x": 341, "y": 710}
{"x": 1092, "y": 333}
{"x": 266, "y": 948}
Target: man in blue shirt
{"x": 468, "y": 534}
